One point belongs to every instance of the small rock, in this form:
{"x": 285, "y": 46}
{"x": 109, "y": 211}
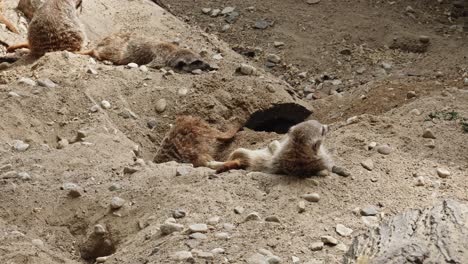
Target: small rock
{"x": 439, "y": 74}
{"x": 228, "y": 226}
{"x": 345, "y": 52}
{"x": 218, "y": 56}
{"x": 160, "y": 105}
{"x": 274, "y": 260}
{"x": 92, "y": 71}
{"x": 270, "y": 88}
{"x": 329, "y": 240}
{"x": 254, "y": 216}
{"x": 143, "y": 68}
{"x": 63, "y": 143}
{"x": 194, "y": 72}
{"x": 411, "y": 94}
{"x": 312, "y": 197}
{"x": 114, "y": 187}
{"x": 239, "y": 210}
{"x": 370, "y": 221}
{"x": 130, "y": 170}
{"x": 428, "y": 134}
{"x": 132, "y": 65}
{"x": 183, "y": 171}
{"x": 369, "y": 211}
{"x": 101, "y": 259}
{"x": 273, "y": 58}
{"x": 37, "y": 242}
{"x": 386, "y": 65}
{"x": 152, "y": 123}
{"x": 302, "y": 75}
{"x": 169, "y": 228}
{"x": 46, "y": 83}
{"x": 342, "y": 247}
{"x": 384, "y": 149}
{"x": 198, "y": 228}
{"x": 340, "y": 171}
{"x": 419, "y": 181}
{"x": 94, "y": 108}
{"x": 225, "y": 28}
{"x": 213, "y": 220}
{"x": 24, "y": 176}
{"x": 278, "y": 44}
{"x": 198, "y": 236}
{"x": 246, "y": 69}
{"x": 262, "y": 24}
{"x": 257, "y": 258}
{"x": 272, "y": 219}
{"x": 13, "y": 94}
{"x": 313, "y": 2}
{"x": 27, "y": 81}
{"x": 99, "y": 229}
{"x": 343, "y": 230}
{"x": 295, "y": 260}
{"x": 117, "y": 202}
{"x": 316, "y": 246}
{"x": 217, "y": 251}
{"x": 178, "y": 213}
{"x": 206, "y": 10}
{"x": 443, "y": 173}
{"x": 368, "y": 164}
{"x": 105, "y": 104}
{"x": 361, "y": 70}
{"x": 352, "y": 120}
{"x": 183, "y": 256}
{"x": 222, "y": 235}
{"x": 465, "y": 81}
{"x": 301, "y": 207}
{"x": 215, "y": 12}
{"x": 227, "y": 10}
{"x": 415, "y": 112}
{"x": 409, "y": 9}
{"x": 20, "y": 146}
{"x": 75, "y": 191}
{"x": 424, "y": 39}
{"x": 371, "y": 145}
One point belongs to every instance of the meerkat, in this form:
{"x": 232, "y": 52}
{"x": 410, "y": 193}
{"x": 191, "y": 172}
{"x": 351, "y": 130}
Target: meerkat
{"x": 5, "y": 21}
{"x": 29, "y": 7}
{"x": 123, "y": 48}
{"x": 192, "y": 140}
{"x": 300, "y": 152}
{"x": 54, "y": 27}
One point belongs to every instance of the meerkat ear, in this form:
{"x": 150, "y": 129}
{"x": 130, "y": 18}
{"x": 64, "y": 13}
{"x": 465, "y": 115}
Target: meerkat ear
{"x": 316, "y": 145}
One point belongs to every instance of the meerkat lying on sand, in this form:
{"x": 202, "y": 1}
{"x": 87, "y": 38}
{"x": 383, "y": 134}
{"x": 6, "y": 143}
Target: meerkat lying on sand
{"x": 300, "y": 152}
{"x": 194, "y": 141}
{"x": 124, "y": 48}
{"x": 54, "y": 27}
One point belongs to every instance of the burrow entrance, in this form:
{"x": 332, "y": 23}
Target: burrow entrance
{"x": 278, "y": 118}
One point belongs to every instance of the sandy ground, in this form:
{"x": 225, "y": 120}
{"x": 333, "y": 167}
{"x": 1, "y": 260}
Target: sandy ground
{"x": 41, "y": 223}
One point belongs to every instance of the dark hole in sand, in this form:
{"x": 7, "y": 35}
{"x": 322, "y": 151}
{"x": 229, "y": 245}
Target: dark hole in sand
{"x": 278, "y": 118}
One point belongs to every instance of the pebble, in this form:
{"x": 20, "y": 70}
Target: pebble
{"x": 273, "y": 58}
{"x": 384, "y": 149}
{"x": 343, "y": 230}
{"x": 329, "y": 240}
{"x": 114, "y": 187}
{"x": 215, "y": 12}
{"x": 206, "y": 10}
{"x": 411, "y": 94}
{"x": 295, "y": 260}
{"x": 63, "y": 143}
{"x": 428, "y": 134}
{"x": 75, "y": 191}
{"x": 409, "y": 9}
{"x": 274, "y": 260}
{"x": 352, "y": 120}
{"x": 217, "y": 251}
{"x": 13, "y": 94}
{"x": 37, "y": 242}
{"x": 239, "y": 210}
{"x": 20, "y": 146}
{"x": 222, "y": 235}
{"x": 160, "y": 105}
{"x": 105, "y": 104}
{"x": 370, "y": 221}
{"x": 101, "y": 259}
{"x": 272, "y": 219}
{"x": 361, "y": 70}
{"x": 225, "y": 28}
{"x": 415, "y": 112}
{"x": 152, "y": 123}
{"x": 257, "y": 258}
{"x": 301, "y": 207}
{"x": 371, "y": 145}
{"x": 278, "y": 44}
{"x": 218, "y": 56}
{"x": 117, "y": 202}
{"x": 262, "y": 24}
{"x": 213, "y": 220}
{"x": 443, "y": 173}
{"x": 302, "y": 75}
{"x": 311, "y": 197}
{"x": 424, "y": 39}
{"x": 183, "y": 256}
{"x": 227, "y": 10}
{"x": 419, "y": 181}
{"x": 183, "y": 171}
{"x": 27, "y": 81}
{"x": 46, "y": 83}
{"x": 94, "y": 108}
{"x": 386, "y": 65}
{"x": 316, "y": 246}
{"x": 341, "y": 171}
{"x": 132, "y": 65}
{"x": 91, "y": 71}
{"x": 342, "y": 247}
{"x": 368, "y": 211}
{"x": 313, "y": 2}
{"x": 198, "y": 228}
{"x": 254, "y": 216}
{"x": 178, "y": 213}
{"x": 169, "y": 228}
{"x": 99, "y": 229}
{"x": 24, "y": 176}
{"x": 246, "y": 69}
{"x": 143, "y": 68}
{"x": 229, "y": 226}
{"x": 198, "y": 236}
{"x": 183, "y": 91}
{"x": 195, "y": 72}
{"x": 368, "y": 164}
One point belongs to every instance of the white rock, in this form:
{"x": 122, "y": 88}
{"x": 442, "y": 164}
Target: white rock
{"x": 94, "y": 108}
{"x": 352, "y": 120}
{"x": 343, "y": 230}
{"x": 132, "y": 65}
{"x": 217, "y": 251}
{"x": 443, "y": 173}
{"x": 295, "y": 260}
{"x": 198, "y": 228}
{"x": 117, "y": 202}
{"x": 27, "y": 81}
{"x": 24, "y": 176}
{"x": 371, "y": 145}
{"x": 273, "y": 58}
{"x": 182, "y": 256}
{"x": 169, "y": 228}
{"x": 46, "y": 83}
{"x": 101, "y": 259}
{"x": 246, "y": 69}
{"x": 218, "y": 56}
{"x": 143, "y": 68}
{"x": 20, "y": 146}
{"x": 329, "y": 240}
{"x": 206, "y": 10}
{"x": 37, "y": 242}
{"x": 99, "y": 229}
{"x": 227, "y": 10}
{"x": 213, "y": 220}
{"x": 13, "y": 94}
{"x": 368, "y": 164}
{"x": 311, "y": 197}
{"x": 160, "y": 105}
{"x": 105, "y": 104}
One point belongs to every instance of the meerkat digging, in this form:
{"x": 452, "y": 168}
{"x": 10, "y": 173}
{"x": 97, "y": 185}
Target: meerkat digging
{"x": 300, "y": 152}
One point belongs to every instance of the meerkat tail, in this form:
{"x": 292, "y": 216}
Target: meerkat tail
{"x": 8, "y": 24}
{"x": 215, "y": 165}
{"x": 12, "y": 48}
{"x": 231, "y": 165}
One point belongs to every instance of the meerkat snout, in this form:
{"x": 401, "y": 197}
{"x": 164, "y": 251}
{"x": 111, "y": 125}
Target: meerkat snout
{"x": 186, "y": 60}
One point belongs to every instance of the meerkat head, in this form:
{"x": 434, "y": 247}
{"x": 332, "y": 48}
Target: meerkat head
{"x": 308, "y": 133}
{"x": 186, "y": 60}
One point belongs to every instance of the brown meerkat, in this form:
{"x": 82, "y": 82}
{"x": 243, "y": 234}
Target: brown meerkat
{"x": 5, "y": 21}
{"x": 29, "y": 7}
{"x": 54, "y": 27}
{"x": 300, "y": 152}
{"x": 123, "y": 48}
{"x": 192, "y": 140}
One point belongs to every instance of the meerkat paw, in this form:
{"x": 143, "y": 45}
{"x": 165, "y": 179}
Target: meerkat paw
{"x": 230, "y": 165}
{"x": 274, "y": 146}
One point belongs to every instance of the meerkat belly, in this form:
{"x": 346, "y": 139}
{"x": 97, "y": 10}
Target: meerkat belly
{"x": 46, "y": 36}
{"x": 297, "y": 163}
